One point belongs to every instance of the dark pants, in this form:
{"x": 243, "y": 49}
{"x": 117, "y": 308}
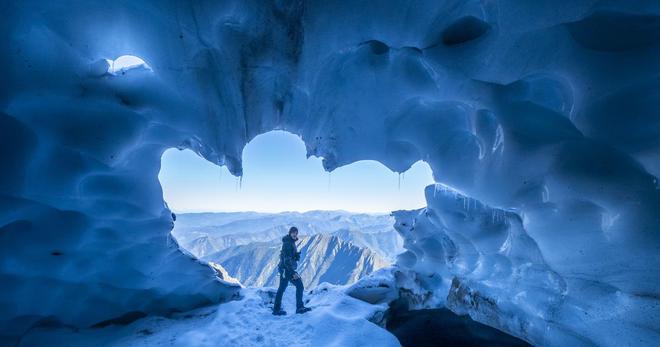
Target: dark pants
{"x": 284, "y": 281}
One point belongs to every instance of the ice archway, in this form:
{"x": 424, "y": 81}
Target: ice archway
{"x": 552, "y": 142}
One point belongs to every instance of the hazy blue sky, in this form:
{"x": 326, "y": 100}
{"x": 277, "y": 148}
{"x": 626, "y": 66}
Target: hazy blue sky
{"x": 277, "y": 177}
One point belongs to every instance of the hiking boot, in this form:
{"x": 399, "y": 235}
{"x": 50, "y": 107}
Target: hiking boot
{"x": 303, "y": 310}
{"x": 279, "y": 312}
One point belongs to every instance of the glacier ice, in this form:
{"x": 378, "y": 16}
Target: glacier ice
{"x": 540, "y": 118}
{"x": 546, "y": 273}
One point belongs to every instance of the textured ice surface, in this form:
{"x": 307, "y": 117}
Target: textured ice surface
{"x": 543, "y": 116}
{"x": 541, "y": 273}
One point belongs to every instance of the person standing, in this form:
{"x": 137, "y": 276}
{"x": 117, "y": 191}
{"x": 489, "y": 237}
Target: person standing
{"x": 289, "y": 257}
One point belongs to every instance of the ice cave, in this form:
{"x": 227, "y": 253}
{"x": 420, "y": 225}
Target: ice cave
{"x": 539, "y": 120}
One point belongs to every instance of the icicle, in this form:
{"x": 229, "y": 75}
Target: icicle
{"x": 240, "y": 182}
{"x": 399, "y": 181}
{"x": 329, "y": 179}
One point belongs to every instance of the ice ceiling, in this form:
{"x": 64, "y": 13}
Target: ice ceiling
{"x": 540, "y": 122}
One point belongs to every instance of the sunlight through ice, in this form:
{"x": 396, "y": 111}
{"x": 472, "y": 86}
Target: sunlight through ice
{"x": 125, "y": 63}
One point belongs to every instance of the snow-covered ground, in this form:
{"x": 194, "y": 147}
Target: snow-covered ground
{"x": 336, "y": 320}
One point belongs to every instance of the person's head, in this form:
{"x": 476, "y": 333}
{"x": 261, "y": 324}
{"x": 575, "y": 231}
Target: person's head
{"x": 293, "y": 232}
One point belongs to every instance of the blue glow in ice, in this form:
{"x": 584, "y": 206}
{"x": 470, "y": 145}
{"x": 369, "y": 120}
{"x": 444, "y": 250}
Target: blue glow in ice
{"x": 126, "y": 63}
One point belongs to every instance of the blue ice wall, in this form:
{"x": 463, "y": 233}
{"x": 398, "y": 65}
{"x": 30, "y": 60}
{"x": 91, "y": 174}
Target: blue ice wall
{"x": 544, "y": 111}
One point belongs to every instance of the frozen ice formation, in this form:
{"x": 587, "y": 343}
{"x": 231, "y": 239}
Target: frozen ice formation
{"x": 542, "y": 118}
{"x": 548, "y": 275}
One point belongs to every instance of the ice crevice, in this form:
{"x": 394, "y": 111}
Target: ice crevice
{"x": 539, "y": 123}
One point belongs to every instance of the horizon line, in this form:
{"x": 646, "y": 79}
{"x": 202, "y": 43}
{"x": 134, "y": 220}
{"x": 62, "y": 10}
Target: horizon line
{"x": 199, "y": 211}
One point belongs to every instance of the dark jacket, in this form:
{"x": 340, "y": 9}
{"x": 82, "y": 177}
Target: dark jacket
{"x": 289, "y": 256}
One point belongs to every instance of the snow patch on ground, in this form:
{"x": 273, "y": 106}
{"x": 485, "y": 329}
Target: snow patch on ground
{"x": 336, "y": 320}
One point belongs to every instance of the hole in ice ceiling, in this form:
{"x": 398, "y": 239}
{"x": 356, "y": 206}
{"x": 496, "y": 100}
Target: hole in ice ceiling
{"x": 242, "y": 238}
{"x": 126, "y": 63}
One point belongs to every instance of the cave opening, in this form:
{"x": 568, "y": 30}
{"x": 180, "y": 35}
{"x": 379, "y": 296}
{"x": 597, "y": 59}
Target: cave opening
{"x": 543, "y": 117}
{"x": 235, "y": 223}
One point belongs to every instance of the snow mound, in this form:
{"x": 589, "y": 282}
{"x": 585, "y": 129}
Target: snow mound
{"x": 222, "y": 273}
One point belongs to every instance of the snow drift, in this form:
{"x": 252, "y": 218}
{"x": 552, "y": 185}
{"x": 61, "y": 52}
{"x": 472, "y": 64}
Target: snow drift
{"x": 543, "y": 118}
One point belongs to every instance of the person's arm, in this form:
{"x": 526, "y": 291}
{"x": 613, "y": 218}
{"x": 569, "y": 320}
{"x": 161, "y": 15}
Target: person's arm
{"x": 296, "y": 258}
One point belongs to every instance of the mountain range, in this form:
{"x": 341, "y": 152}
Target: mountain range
{"x": 323, "y": 258}
{"x": 336, "y": 246}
